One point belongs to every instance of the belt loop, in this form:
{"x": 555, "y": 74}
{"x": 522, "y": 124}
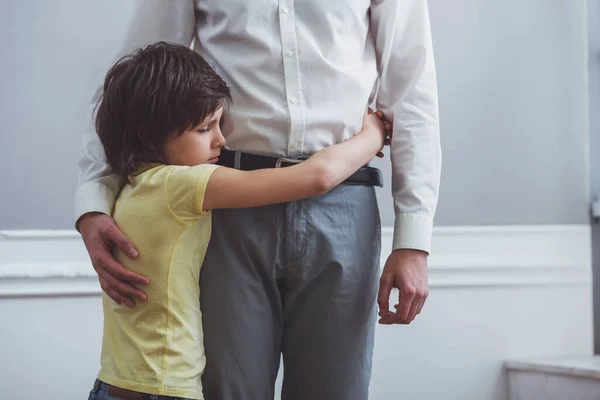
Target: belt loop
{"x": 237, "y": 160}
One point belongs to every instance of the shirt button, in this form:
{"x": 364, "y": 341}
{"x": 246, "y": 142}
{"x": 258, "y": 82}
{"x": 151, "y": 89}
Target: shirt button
{"x": 285, "y": 10}
{"x": 295, "y": 145}
{"x": 293, "y": 100}
{"x": 289, "y": 53}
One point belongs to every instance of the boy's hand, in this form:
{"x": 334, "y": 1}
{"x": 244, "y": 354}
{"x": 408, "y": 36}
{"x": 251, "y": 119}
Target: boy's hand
{"x": 375, "y": 122}
{"x": 388, "y": 127}
{"x": 100, "y": 235}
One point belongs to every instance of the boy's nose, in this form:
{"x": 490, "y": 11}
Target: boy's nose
{"x": 219, "y": 140}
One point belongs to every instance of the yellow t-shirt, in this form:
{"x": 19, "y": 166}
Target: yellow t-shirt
{"x": 157, "y": 347}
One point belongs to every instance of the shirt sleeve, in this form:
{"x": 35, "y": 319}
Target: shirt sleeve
{"x": 408, "y": 96}
{"x": 152, "y": 21}
{"x": 186, "y": 187}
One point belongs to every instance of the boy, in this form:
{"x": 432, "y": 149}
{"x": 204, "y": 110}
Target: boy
{"x": 158, "y": 121}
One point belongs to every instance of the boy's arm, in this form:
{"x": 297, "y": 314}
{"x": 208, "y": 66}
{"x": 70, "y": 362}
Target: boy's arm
{"x": 231, "y": 188}
{"x": 152, "y": 20}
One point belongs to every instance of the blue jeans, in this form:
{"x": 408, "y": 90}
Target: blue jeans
{"x": 100, "y": 392}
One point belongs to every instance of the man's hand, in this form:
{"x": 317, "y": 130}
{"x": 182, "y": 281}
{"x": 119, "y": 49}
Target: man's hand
{"x": 406, "y": 270}
{"x": 100, "y": 235}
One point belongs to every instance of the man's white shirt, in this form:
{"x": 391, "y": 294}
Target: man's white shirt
{"x": 301, "y": 74}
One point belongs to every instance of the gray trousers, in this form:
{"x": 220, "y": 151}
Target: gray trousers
{"x": 298, "y": 279}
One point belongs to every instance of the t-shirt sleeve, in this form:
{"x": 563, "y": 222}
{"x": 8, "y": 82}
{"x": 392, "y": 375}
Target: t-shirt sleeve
{"x": 185, "y": 190}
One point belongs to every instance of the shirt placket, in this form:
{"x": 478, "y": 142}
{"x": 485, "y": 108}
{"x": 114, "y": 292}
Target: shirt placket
{"x": 291, "y": 72}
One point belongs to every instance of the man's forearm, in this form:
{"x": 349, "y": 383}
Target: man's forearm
{"x": 408, "y": 96}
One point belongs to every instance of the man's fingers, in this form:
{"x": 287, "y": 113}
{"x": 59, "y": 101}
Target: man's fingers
{"x": 124, "y": 274}
{"x": 406, "y": 308}
{"x": 102, "y": 259}
{"x": 107, "y": 269}
{"x": 406, "y": 296}
{"x": 114, "y": 295}
{"x": 422, "y": 303}
{"x": 107, "y": 282}
{"x": 405, "y": 302}
{"x": 100, "y": 233}
{"x": 105, "y": 260}
{"x": 414, "y": 307}
{"x": 409, "y": 269}
{"x": 116, "y": 237}
{"x": 416, "y": 304}
{"x": 121, "y": 290}
{"x": 386, "y": 283}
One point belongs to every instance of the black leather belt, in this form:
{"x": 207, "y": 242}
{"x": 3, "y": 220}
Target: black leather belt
{"x": 366, "y": 176}
{"x": 118, "y": 393}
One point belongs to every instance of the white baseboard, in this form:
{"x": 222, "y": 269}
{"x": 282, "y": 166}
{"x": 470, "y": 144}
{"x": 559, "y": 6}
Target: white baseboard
{"x": 47, "y": 263}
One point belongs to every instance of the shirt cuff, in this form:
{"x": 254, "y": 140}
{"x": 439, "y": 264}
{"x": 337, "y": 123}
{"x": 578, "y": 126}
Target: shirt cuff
{"x": 413, "y": 231}
{"x": 93, "y": 197}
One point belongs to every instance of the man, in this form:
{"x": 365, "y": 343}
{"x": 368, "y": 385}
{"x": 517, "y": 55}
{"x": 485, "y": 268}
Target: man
{"x": 298, "y": 279}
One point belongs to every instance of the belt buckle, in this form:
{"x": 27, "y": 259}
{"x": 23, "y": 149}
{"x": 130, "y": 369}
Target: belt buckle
{"x": 287, "y": 160}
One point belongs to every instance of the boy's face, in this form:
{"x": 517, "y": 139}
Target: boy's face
{"x": 199, "y": 145}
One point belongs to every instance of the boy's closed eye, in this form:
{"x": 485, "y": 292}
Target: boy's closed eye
{"x": 207, "y": 126}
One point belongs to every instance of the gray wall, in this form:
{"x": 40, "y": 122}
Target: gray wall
{"x": 594, "y": 94}
{"x": 594, "y": 74}
{"x": 512, "y": 79}
{"x": 53, "y": 56}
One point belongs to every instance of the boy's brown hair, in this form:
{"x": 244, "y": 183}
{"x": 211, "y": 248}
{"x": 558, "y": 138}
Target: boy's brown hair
{"x": 157, "y": 91}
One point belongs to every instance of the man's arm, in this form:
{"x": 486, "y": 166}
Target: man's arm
{"x": 152, "y": 21}
{"x": 408, "y": 97}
